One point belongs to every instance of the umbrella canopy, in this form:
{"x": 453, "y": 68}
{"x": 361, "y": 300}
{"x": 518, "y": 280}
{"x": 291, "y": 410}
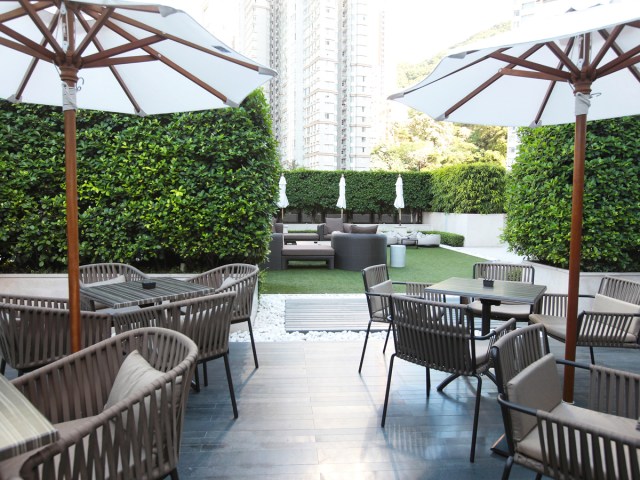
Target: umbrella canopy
{"x": 283, "y": 201}
{"x": 342, "y": 194}
{"x": 399, "y": 201}
{"x": 556, "y": 70}
{"x": 115, "y": 56}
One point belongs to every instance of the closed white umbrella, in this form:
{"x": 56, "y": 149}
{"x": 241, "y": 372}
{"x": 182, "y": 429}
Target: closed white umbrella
{"x": 342, "y": 195}
{"x": 116, "y": 56}
{"x": 283, "y": 201}
{"x": 552, "y": 71}
{"x": 399, "y": 201}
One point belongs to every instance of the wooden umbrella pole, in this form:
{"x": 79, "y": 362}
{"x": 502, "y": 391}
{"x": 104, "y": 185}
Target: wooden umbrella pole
{"x": 69, "y": 75}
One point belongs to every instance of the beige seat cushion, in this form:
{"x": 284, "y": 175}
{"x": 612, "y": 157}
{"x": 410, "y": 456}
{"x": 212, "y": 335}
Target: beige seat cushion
{"x": 537, "y": 386}
{"x": 530, "y": 445}
{"x": 604, "y": 304}
{"x": 377, "y": 303}
{"x": 555, "y": 326}
{"x": 517, "y": 310}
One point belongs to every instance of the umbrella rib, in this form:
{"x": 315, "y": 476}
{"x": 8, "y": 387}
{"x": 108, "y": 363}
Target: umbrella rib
{"x": 113, "y": 70}
{"x": 26, "y": 45}
{"x": 162, "y": 58}
{"x": 536, "y": 67}
{"x": 508, "y": 70}
{"x": 561, "y": 55}
{"x": 34, "y": 62}
{"x": 91, "y": 32}
{"x": 97, "y": 59}
{"x": 624, "y": 60}
{"x": 33, "y": 14}
{"x": 145, "y": 27}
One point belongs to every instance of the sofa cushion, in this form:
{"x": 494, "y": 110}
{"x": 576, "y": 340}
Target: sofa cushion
{"x": 278, "y": 227}
{"x": 537, "y": 386}
{"x": 364, "y": 228}
{"x": 307, "y": 250}
{"x": 135, "y": 374}
{"x": 605, "y": 304}
{"x": 332, "y": 225}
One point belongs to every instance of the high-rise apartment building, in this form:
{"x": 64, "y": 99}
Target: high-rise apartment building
{"x": 326, "y": 101}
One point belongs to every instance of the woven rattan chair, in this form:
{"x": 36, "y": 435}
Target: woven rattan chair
{"x": 32, "y": 336}
{"x": 512, "y": 272}
{"x": 612, "y": 321}
{"x": 440, "y": 336}
{"x": 33, "y": 301}
{"x": 106, "y": 432}
{"x": 242, "y": 279}
{"x": 97, "y": 273}
{"x": 563, "y": 440}
{"x": 378, "y": 289}
{"x": 206, "y": 320}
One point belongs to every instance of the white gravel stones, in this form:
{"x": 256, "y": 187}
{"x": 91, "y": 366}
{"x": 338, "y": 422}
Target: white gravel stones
{"x": 268, "y": 325}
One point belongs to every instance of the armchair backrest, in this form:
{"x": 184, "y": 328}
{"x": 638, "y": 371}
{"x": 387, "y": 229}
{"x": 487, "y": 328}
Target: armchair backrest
{"x": 374, "y": 275}
{"x": 101, "y": 272}
{"x": 32, "y": 336}
{"x": 240, "y": 278}
{"x": 513, "y": 272}
{"x": 46, "y": 302}
{"x": 620, "y": 289}
{"x": 205, "y": 320}
{"x": 434, "y": 334}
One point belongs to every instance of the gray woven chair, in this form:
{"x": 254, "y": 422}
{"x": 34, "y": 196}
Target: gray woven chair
{"x": 103, "y": 273}
{"x": 119, "y": 414}
{"x": 563, "y": 440}
{"x": 32, "y": 336}
{"x": 205, "y": 320}
{"x": 378, "y": 289}
{"x": 242, "y": 279}
{"x": 440, "y": 336}
{"x": 512, "y": 272}
{"x": 612, "y": 321}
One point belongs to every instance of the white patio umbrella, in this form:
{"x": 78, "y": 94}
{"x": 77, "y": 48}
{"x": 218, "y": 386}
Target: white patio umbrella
{"x": 283, "y": 201}
{"x": 399, "y": 201}
{"x": 552, "y": 71}
{"x": 342, "y": 195}
{"x": 116, "y": 56}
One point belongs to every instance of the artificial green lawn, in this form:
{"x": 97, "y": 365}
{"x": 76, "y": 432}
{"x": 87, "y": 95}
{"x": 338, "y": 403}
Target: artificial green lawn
{"x": 422, "y": 265}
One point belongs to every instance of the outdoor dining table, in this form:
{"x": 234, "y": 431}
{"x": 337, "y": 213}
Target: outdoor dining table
{"x": 22, "y": 426}
{"x": 126, "y": 294}
{"x": 501, "y": 291}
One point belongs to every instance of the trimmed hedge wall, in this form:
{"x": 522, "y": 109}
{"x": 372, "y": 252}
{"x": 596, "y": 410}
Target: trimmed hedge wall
{"x": 153, "y": 192}
{"x": 465, "y": 188}
{"x": 538, "y": 199}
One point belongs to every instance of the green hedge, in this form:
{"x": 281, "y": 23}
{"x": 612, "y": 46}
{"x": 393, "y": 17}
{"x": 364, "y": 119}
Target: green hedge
{"x": 154, "y": 192}
{"x": 466, "y": 188}
{"x": 469, "y": 188}
{"x": 538, "y": 198}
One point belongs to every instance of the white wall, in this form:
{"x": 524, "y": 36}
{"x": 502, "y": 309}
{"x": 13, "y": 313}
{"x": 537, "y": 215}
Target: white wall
{"x": 478, "y": 230}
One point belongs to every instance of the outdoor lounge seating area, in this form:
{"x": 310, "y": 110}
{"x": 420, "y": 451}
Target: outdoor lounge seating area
{"x": 379, "y": 417}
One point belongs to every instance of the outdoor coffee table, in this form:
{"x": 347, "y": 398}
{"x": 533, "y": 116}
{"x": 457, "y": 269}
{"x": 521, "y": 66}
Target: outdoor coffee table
{"x": 22, "y": 426}
{"x": 501, "y": 291}
{"x": 126, "y": 294}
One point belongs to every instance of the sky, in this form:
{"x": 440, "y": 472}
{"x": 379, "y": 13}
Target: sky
{"x": 418, "y": 29}
{"x": 415, "y": 29}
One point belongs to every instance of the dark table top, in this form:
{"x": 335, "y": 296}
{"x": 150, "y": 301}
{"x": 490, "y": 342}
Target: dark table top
{"x": 502, "y": 291}
{"x": 22, "y": 426}
{"x": 126, "y": 294}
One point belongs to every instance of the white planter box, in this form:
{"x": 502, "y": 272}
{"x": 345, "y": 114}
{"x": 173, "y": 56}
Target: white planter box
{"x": 557, "y": 279}
{"x": 478, "y": 230}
